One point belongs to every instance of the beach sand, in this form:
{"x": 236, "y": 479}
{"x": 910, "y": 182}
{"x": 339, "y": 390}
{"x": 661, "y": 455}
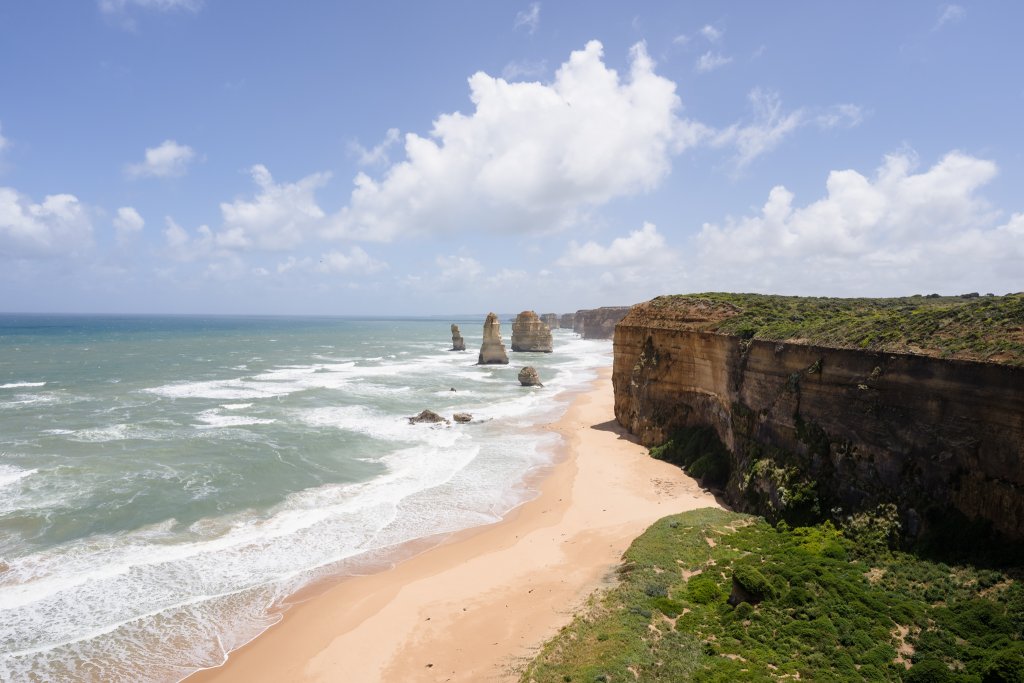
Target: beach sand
{"x": 479, "y": 606}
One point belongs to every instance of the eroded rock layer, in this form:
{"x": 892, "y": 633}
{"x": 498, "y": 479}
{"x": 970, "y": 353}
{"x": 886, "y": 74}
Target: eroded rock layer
{"x": 598, "y": 323}
{"x": 818, "y": 432}
{"x": 492, "y": 350}
{"x": 458, "y": 343}
{"x": 529, "y": 333}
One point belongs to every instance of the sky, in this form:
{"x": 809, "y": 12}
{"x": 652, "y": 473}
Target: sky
{"x": 425, "y": 158}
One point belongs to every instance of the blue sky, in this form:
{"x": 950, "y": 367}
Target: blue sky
{"x": 229, "y": 156}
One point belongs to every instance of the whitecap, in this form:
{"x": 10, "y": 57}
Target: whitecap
{"x": 18, "y": 385}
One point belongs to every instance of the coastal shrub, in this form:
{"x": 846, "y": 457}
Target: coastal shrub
{"x": 752, "y": 581}
{"x": 827, "y": 618}
{"x": 930, "y": 671}
{"x": 1005, "y": 666}
{"x": 700, "y": 453}
{"x": 702, "y": 590}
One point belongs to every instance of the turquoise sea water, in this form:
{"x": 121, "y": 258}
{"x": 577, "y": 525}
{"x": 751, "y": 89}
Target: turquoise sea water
{"x": 166, "y": 481}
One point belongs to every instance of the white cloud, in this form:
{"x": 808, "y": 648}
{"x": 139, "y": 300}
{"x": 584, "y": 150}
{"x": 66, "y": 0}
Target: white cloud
{"x": 278, "y": 217}
{"x": 709, "y": 61}
{"x": 529, "y": 18}
{"x": 127, "y": 222}
{"x": 378, "y": 155}
{"x": 645, "y": 246}
{"x": 949, "y": 14}
{"x": 524, "y": 69}
{"x": 181, "y": 246}
{"x": 118, "y": 6}
{"x": 459, "y": 268}
{"x": 531, "y": 156}
{"x": 166, "y": 160}
{"x": 712, "y": 34}
{"x": 355, "y": 261}
{"x": 771, "y": 125}
{"x": 899, "y": 231}
{"x": 58, "y": 225}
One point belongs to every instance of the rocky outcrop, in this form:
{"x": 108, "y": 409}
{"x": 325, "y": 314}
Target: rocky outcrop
{"x": 530, "y": 334}
{"x": 458, "y": 343}
{"x": 598, "y": 323}
{"x": 814, "y": 432}
{"x": 462, "y": 418}
{"x": 566, "y": 321}
{"x": 492, "y": 350}
{"x": 551, "y": 320}
{"x": 428, "y": 416}
{"x": 528, "y": 377}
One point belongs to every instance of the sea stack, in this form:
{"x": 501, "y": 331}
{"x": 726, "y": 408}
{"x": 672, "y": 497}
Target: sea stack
{"x": 530, "y": 334}
{"x": 551, "y": 320}
{"x": 458, "y": 343}
{"x": 528, "y": 377}
{"x": 565, "y": 322}
{"x": 492, "y": 351}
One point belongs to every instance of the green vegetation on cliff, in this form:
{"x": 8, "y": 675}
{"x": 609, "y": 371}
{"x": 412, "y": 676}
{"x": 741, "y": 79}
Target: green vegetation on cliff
{"x": 711, "y": 595}
{"x": 973, "y": 327}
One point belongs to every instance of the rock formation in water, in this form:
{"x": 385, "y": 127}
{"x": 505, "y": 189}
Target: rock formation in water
{"x": 812, "y": 431}
{"x": 428, "y": 416}
{"x": 528, "y": 377}
{"x": 566, "y": 321}
{"x": 458, "y": 343}
{"x": 551, "y": 320}
{"x": 492, "y": 351}
{"x": 598, "y": 323}
{"x": 530, "y": 334}
{"x": 462, "y": 417}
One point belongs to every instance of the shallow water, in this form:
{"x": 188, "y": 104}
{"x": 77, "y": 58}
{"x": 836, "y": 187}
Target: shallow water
{"x": 166, "y": 481}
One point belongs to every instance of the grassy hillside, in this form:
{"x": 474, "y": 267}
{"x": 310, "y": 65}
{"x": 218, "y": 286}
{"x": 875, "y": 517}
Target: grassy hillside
{"x": 815, "y": 605}
{"x": 988, "y": 328}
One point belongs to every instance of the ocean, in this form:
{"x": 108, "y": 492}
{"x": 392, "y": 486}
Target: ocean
{"x": 166, "y": 482}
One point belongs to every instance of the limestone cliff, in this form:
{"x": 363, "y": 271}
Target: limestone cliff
{"x": 598, "y": 323}
{"x": 550, "y": 319}
{"x": 458, "y": 343}
{"x": 813, "y": 430}
{"x": 492, "y": 350}
{"x": 566, "y": 321}
{"x": 530, "y": 334}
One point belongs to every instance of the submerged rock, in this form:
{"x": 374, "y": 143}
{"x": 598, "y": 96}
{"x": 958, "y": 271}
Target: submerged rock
{"x": 462, "y": 417}
{"x": 428, "y": 416}
{"x": 492, "y": 351}
{"x": 458, "y": 343}
{"x": 529, "y": 333}
{"x": 528, "y": 377}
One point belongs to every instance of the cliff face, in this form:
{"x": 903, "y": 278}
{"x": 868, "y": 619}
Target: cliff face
{"x": 598, "y": 323}
{"x": 565, "y": 322}
{"x": 550, "y": 319}
{"x": 810, "y": 429}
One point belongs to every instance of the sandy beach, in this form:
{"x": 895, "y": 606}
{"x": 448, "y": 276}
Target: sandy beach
{"x": 478, "y": 606}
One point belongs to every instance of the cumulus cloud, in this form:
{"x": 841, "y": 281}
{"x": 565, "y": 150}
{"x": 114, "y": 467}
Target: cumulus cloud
{"x": 166, "y": 160}
{"x": 182, "y": 246}
{"x": 709, "y": 61}
{"x": 127, "y": 222}
{"x": 355, "y": 261}
{"x": 645, "y": 246}
{"x": 531, "y": 156}
{"x": 529, "y": 18}
{"x": 897, "y": 231}
{"x": 277, "y": 218}
{"x": 59, "y": 224}
{"x": 378, "y": 155}
{"x": 524, "y": 69}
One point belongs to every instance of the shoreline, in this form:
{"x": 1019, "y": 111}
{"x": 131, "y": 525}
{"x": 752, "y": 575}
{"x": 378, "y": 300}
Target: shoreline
{"x": 479, "y": 603}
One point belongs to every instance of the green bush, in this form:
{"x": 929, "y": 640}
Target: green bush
{"x": 702, "y": 590}
{"x": 752, "y": 581}
{"x": 930, "y": 671}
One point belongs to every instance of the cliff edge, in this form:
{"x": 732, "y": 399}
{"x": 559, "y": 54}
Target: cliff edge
{"x": 832, "y": 407}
